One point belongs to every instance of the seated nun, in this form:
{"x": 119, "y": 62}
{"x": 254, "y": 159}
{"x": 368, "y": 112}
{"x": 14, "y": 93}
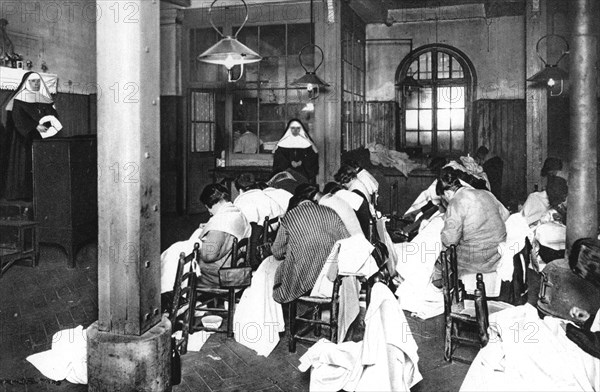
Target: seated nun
{"x": 296, "y": 151}
{"x": 254, "y": 203}
{"x": 304, "y": 241}
{"x": 474, "y": 221}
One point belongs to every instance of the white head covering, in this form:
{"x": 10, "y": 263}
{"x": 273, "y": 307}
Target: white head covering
{"x": 24, "y": 94}
{"x": 290, "y": 141}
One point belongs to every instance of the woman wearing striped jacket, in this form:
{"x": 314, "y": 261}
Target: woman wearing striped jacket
{"x": 304, "y": 240}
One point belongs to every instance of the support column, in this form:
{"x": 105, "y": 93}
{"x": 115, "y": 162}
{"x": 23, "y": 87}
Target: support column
{"x": 536, "y": 97}
{"x": 129, "y": 345}
{"x": 328, "y": 107}
{"x": 582, "y": 216}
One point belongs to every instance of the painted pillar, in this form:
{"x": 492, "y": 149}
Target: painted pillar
{"x": 129, "y": 345}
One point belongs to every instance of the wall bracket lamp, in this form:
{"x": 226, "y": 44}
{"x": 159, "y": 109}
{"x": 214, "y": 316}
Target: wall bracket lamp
{"x": 552, "y": 74}
{"x": 409, "y": 85}
{"x": 229, "y": 51}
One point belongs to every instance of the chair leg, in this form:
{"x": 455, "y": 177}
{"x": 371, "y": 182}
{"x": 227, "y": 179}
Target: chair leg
{"x": 317, "y": 315}
{"x": 292, "y": 324}
{"x": 230, "y": 312}
{"x": 448, "y": 341}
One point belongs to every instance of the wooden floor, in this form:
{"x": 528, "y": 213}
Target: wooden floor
{"x": 37, "y": 302}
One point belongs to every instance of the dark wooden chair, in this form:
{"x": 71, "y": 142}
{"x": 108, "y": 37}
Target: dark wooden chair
{"x": 179, "y": 313}
{"x": 316, "y": 305}
{"x": 262, "y": 237}
{"x": 211, "y": 300}
{"x": 463, "y": 325}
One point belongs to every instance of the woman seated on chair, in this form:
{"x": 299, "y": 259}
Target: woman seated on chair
{"x": 549, "y": 240}
{"x": 304, "y": 241}
{"x": 346, "y": 177}
{"x": 351, "y": 207}
{"x": 226, "y": 223}
{"x": 254, "y": 203}
{"x": 474, "y": 221}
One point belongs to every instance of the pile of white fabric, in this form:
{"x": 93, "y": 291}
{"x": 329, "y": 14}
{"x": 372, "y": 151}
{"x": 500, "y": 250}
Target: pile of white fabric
{"x": 67, "y": 359}
{"x": 386, "y": 359}
{"x": 392, "y": 158}
{"x": 526, "y": 353}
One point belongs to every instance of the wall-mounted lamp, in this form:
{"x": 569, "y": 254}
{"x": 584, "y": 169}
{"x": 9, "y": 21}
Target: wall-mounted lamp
{"x": 409, "y": 85}
{"x": 551, "y": 76}
{"x": 229, "y": 51}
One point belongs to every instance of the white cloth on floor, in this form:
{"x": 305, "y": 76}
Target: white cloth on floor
{"x": 67, "y": 359}
{"x": 258, "y": 319}
{"x": 333, "y": 365}
{"x": 526, "y": 353}
{"x": 197, "y": 339}
{"x": 386, "y": 360}
{"x": 416, "y": 261}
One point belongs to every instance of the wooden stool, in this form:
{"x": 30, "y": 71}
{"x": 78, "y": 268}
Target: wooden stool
{"x": 19, "y": 241}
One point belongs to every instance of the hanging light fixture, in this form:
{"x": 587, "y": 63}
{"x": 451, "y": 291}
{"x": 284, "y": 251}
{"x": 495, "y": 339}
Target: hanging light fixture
{"x": 229, "y": 51}
{"x": 552, "y": 74}
{"x": 310, "y": 80}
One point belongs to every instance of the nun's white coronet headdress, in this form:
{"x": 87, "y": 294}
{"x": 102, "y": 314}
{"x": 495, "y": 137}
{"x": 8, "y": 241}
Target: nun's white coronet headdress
{"x": 302, "y": 140}
{"x": 25, "y": 94}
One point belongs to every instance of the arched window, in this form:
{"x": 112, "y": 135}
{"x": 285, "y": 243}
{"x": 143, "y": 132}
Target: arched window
{"x": 436, "y": 84}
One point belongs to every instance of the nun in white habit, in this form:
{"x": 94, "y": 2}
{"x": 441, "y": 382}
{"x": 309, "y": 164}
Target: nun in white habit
{"x": 296, "y": 151}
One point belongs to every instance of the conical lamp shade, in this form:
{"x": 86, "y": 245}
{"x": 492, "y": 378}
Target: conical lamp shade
{"x": 310, "y": 78}
{"x": 549, "y": 72}
{"x": 229, "y": 52}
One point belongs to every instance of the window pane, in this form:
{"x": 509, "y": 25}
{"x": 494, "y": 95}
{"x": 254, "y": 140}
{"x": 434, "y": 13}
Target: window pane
{"x": 457, "y": 118}
{"x": 425, "y": 66}
{"x": 272, "y": 41}
{"x": 272, "y": 71}
{"x": 272, "y": 111}
{"x": 443, "y": 141}
{"x": 412, "y": 119}
{"x": 202, "y": 137}
{"x": 270, "y": 133}
{"x": 358, "y": 51}
{"x": 458, "y": 97}
{"x": 347, "y": 76}
{"x": 457, "y": 71}
{"x": 425, "y": 122}
{"x": 458, "y": 141}
{"x": 298, "y": 36}
{"x": 444, "y": 97}
{"x": 358, "y": 81}
{"x": 297, "y": 95}
{"x": 443, "y": 68}
{"x": 248, "y": 36}
{"x": 425, "y": 98}
{"x": 412, "y": 139}
{"x": 443, "y": 119}
{"x": 412, "y": 98}
{"x": 425, "y": 139}
{"x": 413, "y": 69}
{"x": 245, "y": 105}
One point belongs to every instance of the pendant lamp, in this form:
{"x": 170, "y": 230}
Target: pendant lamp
{"x": 229, "y": 51}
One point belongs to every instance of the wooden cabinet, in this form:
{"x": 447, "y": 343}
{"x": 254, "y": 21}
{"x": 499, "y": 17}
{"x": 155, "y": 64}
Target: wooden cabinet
{"x": 65, "y": 191}
{"x": 397, "y": 192}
